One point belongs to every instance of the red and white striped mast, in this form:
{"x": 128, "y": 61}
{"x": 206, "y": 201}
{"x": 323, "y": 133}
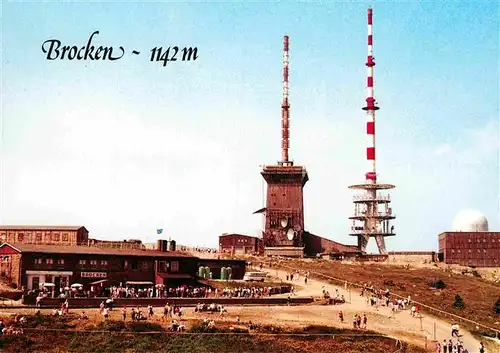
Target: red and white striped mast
{"x": 374, "y": 223}
{"x": 370, "y": 108}
{"x": 285, "y": 107}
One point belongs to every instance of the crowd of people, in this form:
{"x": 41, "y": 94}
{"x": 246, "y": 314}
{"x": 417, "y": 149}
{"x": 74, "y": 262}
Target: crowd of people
{"x": 13, "y": 330}
{"x": 252, "y": 292}
{"x": 212, "y": 308}
{"x": 454, "y": 344}
{"x": 450, "y": 345}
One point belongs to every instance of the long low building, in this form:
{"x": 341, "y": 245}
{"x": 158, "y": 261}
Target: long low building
{"x": 239, "y": 244}
{"x": 479, "y": 248}
{"x": 32, "y": 266}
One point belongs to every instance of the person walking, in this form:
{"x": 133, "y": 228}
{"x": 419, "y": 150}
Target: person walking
{"x": 481, "y": 347}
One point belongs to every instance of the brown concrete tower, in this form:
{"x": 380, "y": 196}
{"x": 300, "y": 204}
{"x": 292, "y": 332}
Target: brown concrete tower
{"x": 284, "y": 211}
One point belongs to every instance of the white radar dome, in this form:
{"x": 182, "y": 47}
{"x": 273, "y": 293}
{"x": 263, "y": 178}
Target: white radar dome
{"x": 470, "y": 221}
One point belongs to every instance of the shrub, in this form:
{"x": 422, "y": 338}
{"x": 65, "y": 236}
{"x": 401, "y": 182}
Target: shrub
{"x": 143, "y": 326}
{"x": 437, "y": 283}
{"x": 272, "y": 329}
{"x": 49, "y": 321}
{"x": 389, "y": 283}
{"x": 202, "y": 328}
{"x": 240, "y": 330}
{"x": 496, "y": 308}
{"x": 112, "y": 325}
{"x": 459, "y": 302}
{"x": 476, "y": 274}
{"x": 319, "y": 329}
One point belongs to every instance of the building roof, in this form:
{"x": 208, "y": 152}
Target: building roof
{"x": 238, "y": 235}
{"x": 261, "y": 210}
{"x": 34, "y": 227}
{"x": 221, "y": 261}
{"x": 55, "y": 249}
{"x": 335, "y": 247}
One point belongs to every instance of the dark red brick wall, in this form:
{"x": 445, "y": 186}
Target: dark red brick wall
{"x": 314, "y": 244}
{"x": 42, "y": 236}
{"x": 236, "y": 242}
{"x": 481, "y": 249}
{"x": 10, "y": 266}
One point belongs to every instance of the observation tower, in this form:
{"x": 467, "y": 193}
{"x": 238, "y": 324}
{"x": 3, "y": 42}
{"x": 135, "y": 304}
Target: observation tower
{"x": 372, "y": 211}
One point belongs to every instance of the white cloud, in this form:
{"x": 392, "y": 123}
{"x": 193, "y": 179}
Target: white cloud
{"x": 444, "y": 149}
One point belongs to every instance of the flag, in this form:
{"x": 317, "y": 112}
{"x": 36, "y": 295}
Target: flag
{"x": 159, "y": 231}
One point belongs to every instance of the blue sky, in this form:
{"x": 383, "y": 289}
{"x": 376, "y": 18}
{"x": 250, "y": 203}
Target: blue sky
{"x": 129, "y": 146}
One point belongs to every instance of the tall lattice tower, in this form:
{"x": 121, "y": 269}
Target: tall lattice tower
{"x": 372, "y": 211}
{"x": 284, "y": 212}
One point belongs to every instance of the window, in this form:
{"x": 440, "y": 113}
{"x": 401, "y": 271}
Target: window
{"x": 143, "y": 265}
{"x": 174, "y": 266}
{"x": 104, "y": 262}
{"x": 162, "y": 266}
{"x": 20, "y": 237}
{"x": 65, "y": 237}
{"x": 60, "y": 261}
{"x": 82, "y": 262}
{"x": 38, "y": 236}
{"x": 56, "y": 237}
{"x": 93, "y": 263}
{"x": 49, "y": 261}
{"x": 38, "y": 261}
{"x": 35, "y": 282}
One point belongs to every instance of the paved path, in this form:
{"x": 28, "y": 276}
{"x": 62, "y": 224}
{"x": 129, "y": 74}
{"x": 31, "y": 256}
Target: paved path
{"x": 379, "y": 319}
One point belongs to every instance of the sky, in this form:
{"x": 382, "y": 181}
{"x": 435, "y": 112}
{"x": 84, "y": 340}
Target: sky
{"x": 128, "y": 146}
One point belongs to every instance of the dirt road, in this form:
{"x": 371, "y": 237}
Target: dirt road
{"x": 378, "y": 318}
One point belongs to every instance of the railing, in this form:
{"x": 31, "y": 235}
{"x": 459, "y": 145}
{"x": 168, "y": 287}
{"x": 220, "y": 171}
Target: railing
{"x": 377, "y": 214}
{"x": 381, "y": 232}
{"x": 429, "y": 308}
{"x": 368, "y": 198}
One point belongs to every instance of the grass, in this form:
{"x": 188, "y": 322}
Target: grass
{"x": 479, "y": 296}
{"x": 85, "y": 342}
{"x": 127, "y": 337}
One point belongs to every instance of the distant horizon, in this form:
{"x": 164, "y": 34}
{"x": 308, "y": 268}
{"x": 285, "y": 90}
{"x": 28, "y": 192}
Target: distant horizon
{"x": 131, "y": 145}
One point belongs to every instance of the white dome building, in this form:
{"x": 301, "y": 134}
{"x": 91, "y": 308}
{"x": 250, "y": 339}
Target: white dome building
{"x": 470, "y": 221}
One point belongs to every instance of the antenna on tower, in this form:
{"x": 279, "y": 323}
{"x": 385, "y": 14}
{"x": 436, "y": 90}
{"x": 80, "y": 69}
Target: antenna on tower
{"x": 285, "y": 108}
{"x": 368, "y": 220}
{"x": 370, "y": 108}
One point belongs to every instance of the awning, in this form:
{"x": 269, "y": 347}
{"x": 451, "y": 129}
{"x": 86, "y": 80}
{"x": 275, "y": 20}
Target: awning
{"x": 99, "y": 282}
{"x": 139, "y": 283}
{"x": 174, "y": 276}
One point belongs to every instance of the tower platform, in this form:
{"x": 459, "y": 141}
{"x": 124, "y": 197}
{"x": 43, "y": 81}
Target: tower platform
{"x": 367, "y": 220}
